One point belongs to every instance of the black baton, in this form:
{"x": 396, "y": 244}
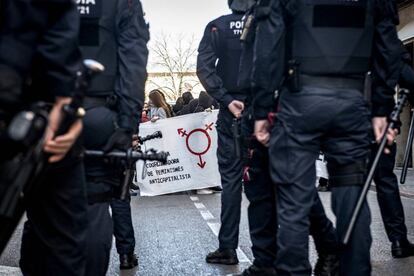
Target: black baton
{"x": 393, "y": 121}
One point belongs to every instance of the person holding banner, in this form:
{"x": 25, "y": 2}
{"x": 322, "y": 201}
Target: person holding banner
{"x": 159, "y": 107}
{"x": 115, "y": 34}
{"x": 221, "y": 44}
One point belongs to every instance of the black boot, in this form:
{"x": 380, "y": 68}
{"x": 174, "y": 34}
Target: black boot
{"x": 217, "y": 189}
{"x": 223, "y": 256}
{"x": 134, "y": 187}
{"x": 402, "y": 249}
{"x": 128, "y": 261}
{"x": 327, "y": 265}
{"x": 258, "y": 271}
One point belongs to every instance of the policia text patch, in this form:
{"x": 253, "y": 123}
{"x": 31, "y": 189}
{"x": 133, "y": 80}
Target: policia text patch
{"x": 89, "y": 8}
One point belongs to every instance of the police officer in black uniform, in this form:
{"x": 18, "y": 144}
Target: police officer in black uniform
{"x": 386, "y": 183}
{"x": 115, "y": 34}
{"x": 39, "y": 57}
{"x": 259, "y": 187}
{"x": 221, "y": 41}
{"x": 325, "y": 52}
{"x": 389, "y": 200}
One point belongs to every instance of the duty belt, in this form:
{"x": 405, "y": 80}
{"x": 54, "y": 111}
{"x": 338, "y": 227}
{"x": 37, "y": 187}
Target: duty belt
{"x": 100, "y": 198}
{"x": 94, "y": 102}
{"x": 333, "y": 82}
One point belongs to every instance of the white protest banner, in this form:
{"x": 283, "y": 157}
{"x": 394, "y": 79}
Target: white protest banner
{"x": 191, "y": 141}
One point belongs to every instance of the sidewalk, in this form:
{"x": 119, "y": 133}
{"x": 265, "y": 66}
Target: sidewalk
{"x": 10, "y": 271}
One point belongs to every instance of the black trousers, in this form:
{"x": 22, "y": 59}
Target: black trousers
{"x": 99, "y": 239}
{"x": 262, "y": 212}
{"x": 388, "y": 194}
{"x": 123, "y": 227}
{"x": 105, "y": 178}
{"x": 54, "y": 235}
{"x": 230, "y": 167}
{"x": 336, "y": 121}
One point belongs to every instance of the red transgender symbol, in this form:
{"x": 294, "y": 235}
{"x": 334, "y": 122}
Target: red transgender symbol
{"x": 200, "y": 134}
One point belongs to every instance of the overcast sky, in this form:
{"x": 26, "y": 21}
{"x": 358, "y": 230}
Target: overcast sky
{"x": 182, "y": 16}
{"x": 178, "y": 17}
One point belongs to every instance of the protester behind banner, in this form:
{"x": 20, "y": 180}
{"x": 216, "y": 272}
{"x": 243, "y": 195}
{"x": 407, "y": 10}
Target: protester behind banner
{"x": 178, "y": 106}
{"x": 167, "y": 105}
{"x": 188, "y": 104}
{"x": 159, "y": 107}
{"x": 145, "y": 112}
{"x": 205, "y": 101}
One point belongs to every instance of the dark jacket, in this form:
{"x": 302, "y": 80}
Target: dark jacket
{"x": 116, "y": 35}
{"x": 44, "y": 37}
{"x": 178, "y": 105}
{"x": 205, "y": 101}
{"x": 270, "y": 50}
{"x": 219, "y": 58}
{"x": 187, "y": 98}
{"x": 407, "y": 73}
{"x": 189, "y": 108}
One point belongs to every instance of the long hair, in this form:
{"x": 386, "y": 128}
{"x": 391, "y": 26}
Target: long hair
{"x": 168, "y": 105}
{"x": 159, "y": 101}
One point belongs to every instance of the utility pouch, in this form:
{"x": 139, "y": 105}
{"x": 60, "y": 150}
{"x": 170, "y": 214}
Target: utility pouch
{"x": 293, "y": 80}
{"x": 368, "y": 88}
{"x": 112, "y": 102}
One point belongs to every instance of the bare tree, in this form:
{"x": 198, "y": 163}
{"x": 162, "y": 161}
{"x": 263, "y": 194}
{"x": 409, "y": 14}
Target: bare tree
{"x": 175, "y": 57}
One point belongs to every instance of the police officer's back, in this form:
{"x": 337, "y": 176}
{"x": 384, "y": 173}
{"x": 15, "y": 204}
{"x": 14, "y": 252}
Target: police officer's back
{"x": 386, "y": 182}
{"x": 329, "y": 48}
{"x": 39, "y": 43}
{"x": 115, "y": 34}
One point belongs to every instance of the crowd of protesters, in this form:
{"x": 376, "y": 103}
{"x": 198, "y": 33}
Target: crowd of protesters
{"x": 158, "y": 108}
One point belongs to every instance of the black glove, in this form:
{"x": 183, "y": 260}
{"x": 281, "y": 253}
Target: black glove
{"x": 120, "y": 140}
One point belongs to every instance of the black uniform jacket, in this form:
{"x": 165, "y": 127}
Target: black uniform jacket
{"x": 270, "y": 50}
{"x": 40, "y": 39}
{"x": 219, "y": 58}
{"x": 114, "y": 32}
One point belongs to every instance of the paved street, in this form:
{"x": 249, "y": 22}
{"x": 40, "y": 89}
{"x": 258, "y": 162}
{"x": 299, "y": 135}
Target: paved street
{"x": 175, "y": 232}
